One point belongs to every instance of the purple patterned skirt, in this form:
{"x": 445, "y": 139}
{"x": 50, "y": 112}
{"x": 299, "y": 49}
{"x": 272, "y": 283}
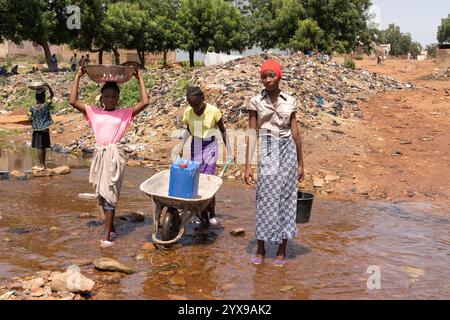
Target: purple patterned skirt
{"x": 204, "y": 151}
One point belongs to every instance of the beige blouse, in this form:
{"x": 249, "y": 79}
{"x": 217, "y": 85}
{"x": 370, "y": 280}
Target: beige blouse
{"x": 271, "y": 120}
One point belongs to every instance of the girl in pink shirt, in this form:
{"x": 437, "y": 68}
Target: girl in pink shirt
{"x": 109, "y": 125}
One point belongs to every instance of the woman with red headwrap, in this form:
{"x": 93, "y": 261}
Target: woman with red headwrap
{"x": 272, "y": 118}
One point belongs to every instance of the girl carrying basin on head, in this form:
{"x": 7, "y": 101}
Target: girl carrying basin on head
{"x": 109, "y": 125}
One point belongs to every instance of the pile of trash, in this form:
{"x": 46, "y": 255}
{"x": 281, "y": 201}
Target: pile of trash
{"x": 317, "y": 85}
{"x": 14, "y": 92}
{"x": 441, "y": 74}
{"x": 322, "y": 88}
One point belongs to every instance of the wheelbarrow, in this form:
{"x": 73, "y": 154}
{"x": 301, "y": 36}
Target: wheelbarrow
{"x": 179, "y": 211}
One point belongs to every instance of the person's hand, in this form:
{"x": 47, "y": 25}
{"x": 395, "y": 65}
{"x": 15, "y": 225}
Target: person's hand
{"x": 179, "y": 150}
{"x": 81, "y": 71}
{"x": 249, "y": 178}
{"x": 138, "y": 74}
{"x": 231, "y": 158}
{"x": 301, "y": 173}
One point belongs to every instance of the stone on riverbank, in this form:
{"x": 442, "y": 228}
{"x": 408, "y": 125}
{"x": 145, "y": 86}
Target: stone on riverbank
{"x": 106, "y": 264}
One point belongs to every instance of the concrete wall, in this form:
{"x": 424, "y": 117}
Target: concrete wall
{"x": 28, "y": 48}
{"x": 443, "y": 58}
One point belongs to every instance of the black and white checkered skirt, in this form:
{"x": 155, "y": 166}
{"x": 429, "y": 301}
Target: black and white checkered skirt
{"x": 276, "y": 189}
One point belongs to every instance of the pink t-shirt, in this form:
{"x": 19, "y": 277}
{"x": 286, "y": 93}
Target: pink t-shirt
{"x": 108, "y": 126}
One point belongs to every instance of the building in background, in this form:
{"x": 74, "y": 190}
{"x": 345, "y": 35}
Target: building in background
{"x": 423, "y": 55}
{"x": 443, "y": 56}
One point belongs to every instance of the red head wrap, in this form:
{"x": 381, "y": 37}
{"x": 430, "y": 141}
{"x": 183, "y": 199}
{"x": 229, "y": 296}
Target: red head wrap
{"x": 273, "y": 66}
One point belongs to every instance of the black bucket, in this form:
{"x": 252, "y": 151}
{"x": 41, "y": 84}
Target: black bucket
{"x": 304, "y": 205}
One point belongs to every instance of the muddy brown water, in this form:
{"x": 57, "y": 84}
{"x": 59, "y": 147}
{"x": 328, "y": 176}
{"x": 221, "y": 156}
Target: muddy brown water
{"x": 409, "y": 243}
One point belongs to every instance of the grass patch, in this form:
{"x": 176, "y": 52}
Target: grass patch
{"x": 26, "y": 99}
{"x": 197, "y": 64}
{"x": 180, "y": 87}
{"x": 350, "y": 64}
{"x": 130, "y": 91}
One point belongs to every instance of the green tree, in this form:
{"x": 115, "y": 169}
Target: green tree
{"x": 444, "y": 30}
{"x": 7, "y": 21}
{"x": 88, "y": 37}
{"x": 210, "y": 23}
{"x": 287, "y": 18}
{"x": 308, "y": 37}
{"x": 393, "y": 36}
{"x": 263, "y": 15}
{"x": 415, "y": 49}
{"x": 162, "y": 27}
{"x": 123, "y": 27}
{"x": 40, "y": 21}
{"x": 401, "y": 43}
{"x": 230, "y": 31}
{"x": 370, "y": 38}
{"x": 344, "y": 22}
{"x": 431, "y": 49}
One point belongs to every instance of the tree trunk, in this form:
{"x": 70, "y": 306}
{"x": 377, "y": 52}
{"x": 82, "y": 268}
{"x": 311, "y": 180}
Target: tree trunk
{"x": 141, "y": 54}
{"x": 116, "y": 55}
{"x": 100, "y": 56}
{"x": 48, "y": 54}
{"x": 191, "y": 58}
{"x": 165, "y": 58}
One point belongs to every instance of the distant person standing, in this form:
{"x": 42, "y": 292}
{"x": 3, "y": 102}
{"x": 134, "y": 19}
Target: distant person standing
{"x": 378, "y": 59}
{"x": 73, "y": 62}
{"x": 41, "y": 119}
{"x": 87, "y": 60}
{"x": 83, "y": 58}
{"x": 54, "y": 63}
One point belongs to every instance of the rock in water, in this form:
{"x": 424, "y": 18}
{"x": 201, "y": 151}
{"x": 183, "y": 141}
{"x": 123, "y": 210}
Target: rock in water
{"x": 134, "y": 163}
{"x": 237, "y": 232}
{"x": 17, "y": 174}
{"x": 107, "y": 264}
{"x": 71, "y": 281}
{"x": 61, "y": 170}
{"x": 19, "y": 230}
{"x": 37, "y": 283}
{"x": 66, "y": 295}
{"x": 87, "y": 196}
{"x": 133, "y": 217}
{"x": 285, "y": 289}
{"x": 4, "y": 175}
{"x": 87, "y": 215}
{"x": 43, "y": 173}
{"x": 149, "y": 246}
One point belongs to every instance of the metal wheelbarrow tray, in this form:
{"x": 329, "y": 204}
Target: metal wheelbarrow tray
{"x": 174, "y": 223}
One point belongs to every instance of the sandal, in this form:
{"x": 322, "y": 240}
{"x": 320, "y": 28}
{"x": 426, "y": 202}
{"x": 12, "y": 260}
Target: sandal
{"x": 196, "y": 220}
{"x": 279, "y": 263}
{"x": 105, "y": 243}
{"x": 257, "y": 260}
{"x": 214, "y": 221}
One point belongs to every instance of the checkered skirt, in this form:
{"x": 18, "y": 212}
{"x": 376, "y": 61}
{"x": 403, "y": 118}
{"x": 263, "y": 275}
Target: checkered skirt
{"x": 276, "y": 189}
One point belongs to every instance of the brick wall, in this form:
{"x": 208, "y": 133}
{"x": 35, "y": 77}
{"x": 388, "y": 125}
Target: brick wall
{"x": 443, "y": 58}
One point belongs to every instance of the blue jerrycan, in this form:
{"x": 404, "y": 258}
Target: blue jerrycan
{"x": 184, "y": 177}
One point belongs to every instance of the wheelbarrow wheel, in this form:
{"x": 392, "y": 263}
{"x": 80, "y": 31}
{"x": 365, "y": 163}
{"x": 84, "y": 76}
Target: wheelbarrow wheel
{"x": 170, "y": 225}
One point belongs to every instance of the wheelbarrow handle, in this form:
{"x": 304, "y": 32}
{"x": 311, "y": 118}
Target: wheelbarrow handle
{"x": 225, "y": 168}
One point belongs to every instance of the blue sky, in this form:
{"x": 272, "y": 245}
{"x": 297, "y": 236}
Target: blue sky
{"x": 419, "y": 17}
